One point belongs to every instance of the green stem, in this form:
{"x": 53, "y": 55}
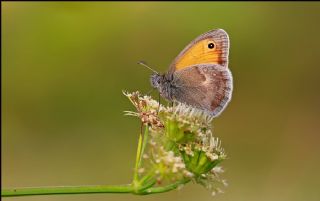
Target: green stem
{"x": 167, "y": 188}
{"x": 145, "y": 141}
{"x": 148, "y": 176}
{"x": 138, "y": 155}
{"x": 66, "y": 190}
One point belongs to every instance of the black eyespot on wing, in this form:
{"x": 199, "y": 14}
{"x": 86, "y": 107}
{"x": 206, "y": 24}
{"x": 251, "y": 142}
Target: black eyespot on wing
{"x": 211, "y": 45}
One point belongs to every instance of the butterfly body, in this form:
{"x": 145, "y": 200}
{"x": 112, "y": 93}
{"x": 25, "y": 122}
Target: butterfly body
{"x": 199, "y": 76}
{"x": 165, "y": 84}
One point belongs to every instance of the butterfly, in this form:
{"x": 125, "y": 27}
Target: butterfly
{"x": 199, "y": 76}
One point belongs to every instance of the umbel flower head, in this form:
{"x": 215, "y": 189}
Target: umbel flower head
{"x": 181, "y": 144}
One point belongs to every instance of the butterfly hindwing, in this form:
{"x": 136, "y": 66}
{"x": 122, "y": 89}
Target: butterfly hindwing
{"x": 204, "y": 86}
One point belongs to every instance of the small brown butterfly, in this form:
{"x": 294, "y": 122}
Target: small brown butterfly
{"x": 199, "y": 76}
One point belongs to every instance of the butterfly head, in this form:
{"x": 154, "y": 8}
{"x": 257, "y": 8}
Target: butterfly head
{"x": 156, "y": 80}
{"x": 164, "y": 84}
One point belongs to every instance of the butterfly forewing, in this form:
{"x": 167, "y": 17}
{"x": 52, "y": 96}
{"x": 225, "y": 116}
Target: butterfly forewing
{"x": 209, "y": 48}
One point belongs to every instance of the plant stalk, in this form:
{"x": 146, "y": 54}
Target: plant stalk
{"x": 65, "y": 190}
{"x": 54, "y": 190}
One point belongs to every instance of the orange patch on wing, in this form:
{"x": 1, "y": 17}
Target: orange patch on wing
{"x": 199, "y": 53}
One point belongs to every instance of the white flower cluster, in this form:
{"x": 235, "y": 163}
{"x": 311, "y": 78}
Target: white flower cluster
{"x": 181, "y": 144}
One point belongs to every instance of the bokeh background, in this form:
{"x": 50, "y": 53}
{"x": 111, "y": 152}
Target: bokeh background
{"x": 64, "y": 66}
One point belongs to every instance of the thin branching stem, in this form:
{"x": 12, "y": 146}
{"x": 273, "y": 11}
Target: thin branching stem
{"x": 144, "y": 144}
{"x": 54, "y": 190}
{"x": 167, "y": 188}
{"x": 65, "y": 190}
{"x": 138, "y": 155}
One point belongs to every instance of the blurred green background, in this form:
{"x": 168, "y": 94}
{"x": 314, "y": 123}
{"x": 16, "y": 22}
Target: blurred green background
{"x": 64, "y": 66}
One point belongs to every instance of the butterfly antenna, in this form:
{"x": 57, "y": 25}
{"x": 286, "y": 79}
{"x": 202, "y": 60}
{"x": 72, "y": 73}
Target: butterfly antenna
{"x": 145, "y": 65}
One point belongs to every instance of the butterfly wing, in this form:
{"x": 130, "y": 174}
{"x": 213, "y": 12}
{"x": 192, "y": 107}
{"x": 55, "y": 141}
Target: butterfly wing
{"x": 211, "y": 47}
{"x": 204, "y": 86}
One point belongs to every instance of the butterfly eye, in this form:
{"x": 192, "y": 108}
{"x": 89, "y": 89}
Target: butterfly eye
{"x": 211, "y": 45}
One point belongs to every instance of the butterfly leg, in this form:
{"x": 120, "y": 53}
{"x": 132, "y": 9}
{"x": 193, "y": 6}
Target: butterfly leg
{"x": 159, "y": 98}
{"x": 150, "y": 91}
